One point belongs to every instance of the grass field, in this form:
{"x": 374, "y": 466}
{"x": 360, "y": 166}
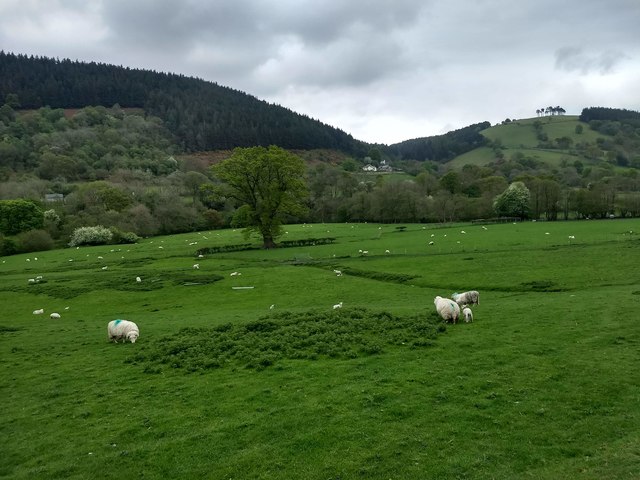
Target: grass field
{"x": 520, "y": 136}
{"x": 543, "y": 384}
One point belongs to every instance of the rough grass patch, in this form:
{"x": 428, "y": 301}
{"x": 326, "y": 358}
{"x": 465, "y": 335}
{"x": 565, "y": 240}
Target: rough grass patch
{"x": 541, "y": 286}
{"x": 7, "y": 329}
{"x": 342, "y": 334}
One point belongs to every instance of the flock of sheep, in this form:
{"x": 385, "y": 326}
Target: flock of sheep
{"x": 450, "y": 310}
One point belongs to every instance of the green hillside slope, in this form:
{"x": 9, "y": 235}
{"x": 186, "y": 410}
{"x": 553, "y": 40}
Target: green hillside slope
{"x": 551, "y": 140}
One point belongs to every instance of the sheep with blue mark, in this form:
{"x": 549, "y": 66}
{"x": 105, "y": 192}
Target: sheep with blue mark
{"x": 123, "y": 330}
{"x": 447, "y": 309}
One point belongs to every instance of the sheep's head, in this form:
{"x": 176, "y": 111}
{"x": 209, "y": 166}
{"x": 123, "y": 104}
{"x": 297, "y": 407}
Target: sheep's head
{"x": 435, "y": 300}
{"x": 132, "y": 336}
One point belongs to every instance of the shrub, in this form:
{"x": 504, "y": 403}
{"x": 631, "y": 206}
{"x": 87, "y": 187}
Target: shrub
{"x": 8, "y": 246}
{"x": 19, "y": 216}
{"x": 97, "y": 235}
{"x": 34, "y": 241}
{"x": 123, "y": 237}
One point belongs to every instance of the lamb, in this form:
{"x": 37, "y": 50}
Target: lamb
{"x": 39, "y": 311}
{"x": 447, "y": 309}
{"x": 469, "y": 298}
{"x": 122, "y": 330}
{"x": 468, "y": 314}
{"x": 54, "y": 315}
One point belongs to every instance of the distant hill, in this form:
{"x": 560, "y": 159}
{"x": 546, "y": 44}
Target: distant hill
{"x": 441, "y": 148}
{"x": 201, "y": 115}
{"x": 555, "y": 140}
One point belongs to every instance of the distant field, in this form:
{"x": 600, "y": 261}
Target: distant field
{"x": 256, "y": 375}
{"x": 520, "y": 136}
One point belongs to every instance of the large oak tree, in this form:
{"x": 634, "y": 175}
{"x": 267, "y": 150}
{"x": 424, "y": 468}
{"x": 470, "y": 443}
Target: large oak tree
{"x": 268, "y": 184}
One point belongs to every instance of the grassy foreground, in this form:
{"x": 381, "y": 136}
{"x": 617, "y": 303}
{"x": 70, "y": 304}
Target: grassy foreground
{"x": 271, "y": 382}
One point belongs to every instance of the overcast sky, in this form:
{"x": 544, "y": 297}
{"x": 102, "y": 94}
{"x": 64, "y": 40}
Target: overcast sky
{"x": 383, "y": 71}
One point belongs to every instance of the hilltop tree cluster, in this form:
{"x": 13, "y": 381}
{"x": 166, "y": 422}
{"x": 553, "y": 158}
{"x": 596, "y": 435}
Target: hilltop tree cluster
{"x": 550, "y": 111}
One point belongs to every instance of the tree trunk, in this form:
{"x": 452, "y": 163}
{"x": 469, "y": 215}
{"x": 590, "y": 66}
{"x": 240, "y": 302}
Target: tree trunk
{"x": 267, "y": 242}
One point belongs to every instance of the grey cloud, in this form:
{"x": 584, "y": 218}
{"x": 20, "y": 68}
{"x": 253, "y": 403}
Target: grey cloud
{"x": 572, "y": 59}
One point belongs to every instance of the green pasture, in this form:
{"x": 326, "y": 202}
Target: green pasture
{"x": 520, "y": 136}
{"x": 255, "y": 375}
{"x": 484, "y": 155}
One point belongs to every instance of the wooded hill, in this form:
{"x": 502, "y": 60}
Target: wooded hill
{"x": 201, "y": 115}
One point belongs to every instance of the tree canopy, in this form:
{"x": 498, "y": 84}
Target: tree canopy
{"x": 269, "y": 186}
{"x": 19, "y": 216}
{"x": 514, "y": 201}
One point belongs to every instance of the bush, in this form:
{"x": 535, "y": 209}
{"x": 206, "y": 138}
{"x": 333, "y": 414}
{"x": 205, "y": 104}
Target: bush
{"x": 35, "y": 241}
{"x": 8, "y": 246}
{"x": 97, "y": 235}
{"x": 123, "y": 237}
{"x": 19, "y": 216}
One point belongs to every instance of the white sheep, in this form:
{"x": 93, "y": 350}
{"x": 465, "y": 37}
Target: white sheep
{"x": 39, "y": 311}
{"x": 234, "y": 274}
{"x": 469, "y": 298}
{"x": 447, "y": 309}
{"x": 196, "y": 266}
{"x": 467, "y": 314}
{"x": 54, "y": 315}
{"x": 138, "y": 279}
{"x": 122, "y": 330}
{"x": 337, "y": 305}
{"x": 338, "y": 273}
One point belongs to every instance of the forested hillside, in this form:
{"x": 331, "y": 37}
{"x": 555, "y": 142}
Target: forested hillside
{"x": 442, "y": 148}
{"x": 201, "y": 115}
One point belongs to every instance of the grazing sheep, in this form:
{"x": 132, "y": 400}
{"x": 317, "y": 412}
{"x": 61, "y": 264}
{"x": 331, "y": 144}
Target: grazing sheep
{"x": 196, "y": 266}
{"x": 138, "y": 279}
{"x": 38, "y": 312}
{"x": 234, "y": 274}
{"x": 468, "y": 314}
{"x": 122, "y": 330}
{"x": 337, "y": 305}
{"x": 447, "y": 309}
{"x": 338, "y": 273}
{"x": 470, "y": 298}
{"x": 54, "y": 315}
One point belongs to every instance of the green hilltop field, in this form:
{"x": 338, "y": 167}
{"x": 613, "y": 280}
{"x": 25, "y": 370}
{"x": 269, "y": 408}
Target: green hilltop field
{"x": 244, "y": 369}
{"x": 519, "y": 136}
